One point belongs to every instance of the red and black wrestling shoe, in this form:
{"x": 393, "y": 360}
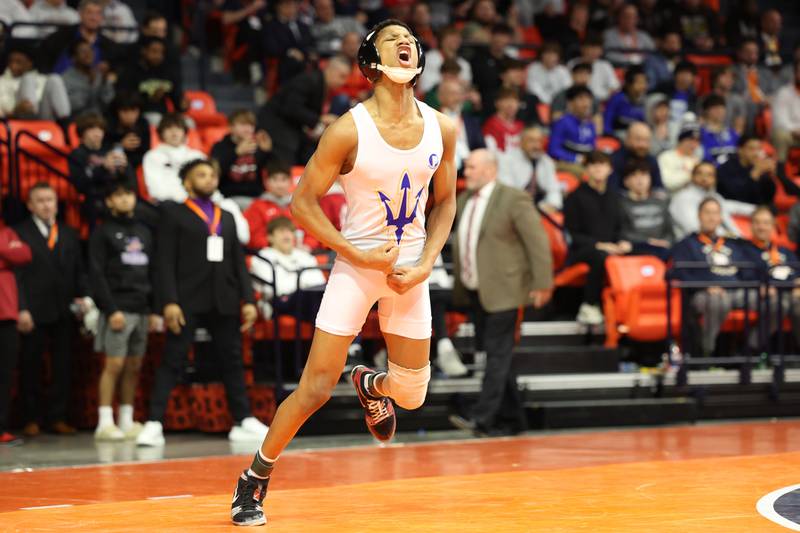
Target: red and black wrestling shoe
{"x": 378, "y": 410}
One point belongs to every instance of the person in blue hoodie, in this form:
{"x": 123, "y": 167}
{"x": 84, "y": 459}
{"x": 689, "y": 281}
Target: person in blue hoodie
{"x": 626, "y": 106}
{"x": 777, "y": 264}
{"x": 713, "y": 303}
{"x": 572, "y": 137}
{"x": 719, "y": 141}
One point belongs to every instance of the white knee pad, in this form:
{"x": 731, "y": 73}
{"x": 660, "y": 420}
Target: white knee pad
{"x": 406, "y": 386}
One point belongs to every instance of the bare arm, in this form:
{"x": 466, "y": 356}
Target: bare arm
{"x": 443, "y": 212}
{"x": 336, "y": 144}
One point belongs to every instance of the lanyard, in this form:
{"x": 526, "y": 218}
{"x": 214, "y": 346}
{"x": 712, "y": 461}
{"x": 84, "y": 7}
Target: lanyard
{"x": 213, "y": 225}
{"x": 53, "y": 237}
{"x": 715, "y": 245}
{"x": 774, "y": 254}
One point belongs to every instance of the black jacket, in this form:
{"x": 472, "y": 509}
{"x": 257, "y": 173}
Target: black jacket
{"x": 91, "y": 178}
{"x": 734, "y": 183}
{"x": 279, "y": 39}
{"x": 116, "y": 132}
{"x": 48, "y": 284}
{"x": 591, "y": 217}
{"x": 239, "y": 175}
{"x": 121, "y": 266}
{"x": 186, "y": 277}
{"x": 141, "y": 78}
{"x": 297, "y": 104}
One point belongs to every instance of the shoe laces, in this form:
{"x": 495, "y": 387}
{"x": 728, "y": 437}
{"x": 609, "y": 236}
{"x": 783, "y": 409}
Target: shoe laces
{"x": 254, "y": 491}
{"x": 378, "y": 410}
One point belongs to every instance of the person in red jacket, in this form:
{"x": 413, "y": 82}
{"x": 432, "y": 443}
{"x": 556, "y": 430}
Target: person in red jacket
{"x": 13, "y": 253}
{"x": 504, "y": 128}
{"x": 272, "y": 204}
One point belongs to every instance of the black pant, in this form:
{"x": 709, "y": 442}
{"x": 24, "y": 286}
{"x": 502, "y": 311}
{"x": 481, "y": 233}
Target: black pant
{"x": 226, "y": 345}
{"x": 499, "y": 398}
{"x": 8, "y": 359}
{"x": 596, "y": 277}
{"x": 33, "y": 347}
{"x": 440, "y": 299}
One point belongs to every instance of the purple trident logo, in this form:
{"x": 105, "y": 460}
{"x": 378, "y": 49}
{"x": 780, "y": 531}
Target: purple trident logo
{"x": 403, "y": 217}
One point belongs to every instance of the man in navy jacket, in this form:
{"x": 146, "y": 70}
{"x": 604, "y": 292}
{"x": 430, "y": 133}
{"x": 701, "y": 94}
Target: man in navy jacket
{"x": 712, "y": 303}
{"x": 777, "y": 264}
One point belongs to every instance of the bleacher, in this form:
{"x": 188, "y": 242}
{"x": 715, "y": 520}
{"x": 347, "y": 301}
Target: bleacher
{"x": 570, "y": 373}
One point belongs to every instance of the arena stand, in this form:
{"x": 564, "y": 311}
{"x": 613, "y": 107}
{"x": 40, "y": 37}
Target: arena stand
{"x": 559, "y": 358}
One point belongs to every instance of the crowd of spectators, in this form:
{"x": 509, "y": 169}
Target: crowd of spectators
{"x": 614, "y": 94}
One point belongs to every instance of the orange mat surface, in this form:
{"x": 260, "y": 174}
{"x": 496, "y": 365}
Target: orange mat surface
{"x": 683, "y": 480}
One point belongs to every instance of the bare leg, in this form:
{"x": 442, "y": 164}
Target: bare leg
{"x": 130, "y": 378}
{"x": 323, "y": 369}
{"x": 405, "y": 352}
{"x": 108, "y": 379}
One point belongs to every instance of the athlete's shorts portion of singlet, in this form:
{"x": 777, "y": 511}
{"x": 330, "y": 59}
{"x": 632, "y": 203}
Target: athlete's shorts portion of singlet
{"x": 386, "y": 194}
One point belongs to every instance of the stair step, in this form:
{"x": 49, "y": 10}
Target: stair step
{"x": 611, "y": 412}
{"x": 565, "y": 359}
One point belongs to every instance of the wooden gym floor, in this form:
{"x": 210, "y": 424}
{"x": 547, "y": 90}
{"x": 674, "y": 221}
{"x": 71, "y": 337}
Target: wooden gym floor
{"x": 680, "y": 479}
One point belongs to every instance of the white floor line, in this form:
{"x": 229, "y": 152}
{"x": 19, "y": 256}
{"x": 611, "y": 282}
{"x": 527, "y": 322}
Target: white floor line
{"x": 765, "y": 507}
{"x": 175, "y": 497}
{"x": 60, "y": 506}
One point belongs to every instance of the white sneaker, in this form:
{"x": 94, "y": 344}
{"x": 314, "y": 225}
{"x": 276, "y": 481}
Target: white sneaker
{"x": 133, "y": 431}
{"x": 152, "y": 434}
{"x": 108, "y": 432}
{"x": 253, "y": 425}
{"x": 590, "y": 315}
{"x": 249, "y": 430}
{"x": 448, "y": 360}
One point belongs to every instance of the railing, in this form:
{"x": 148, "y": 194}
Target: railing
{"x": 761, "y": 286}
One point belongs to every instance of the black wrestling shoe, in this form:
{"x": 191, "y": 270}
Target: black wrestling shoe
{"x": 246, "y": 508}
{"x": 378, "y": 412}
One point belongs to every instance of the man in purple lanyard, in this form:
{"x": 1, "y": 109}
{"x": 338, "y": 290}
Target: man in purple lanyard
{"x": 202, "y": 282}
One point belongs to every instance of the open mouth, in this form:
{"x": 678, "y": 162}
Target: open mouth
{"x": 404, "y": 56}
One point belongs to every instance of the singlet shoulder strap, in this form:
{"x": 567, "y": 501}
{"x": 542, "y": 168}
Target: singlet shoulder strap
{"x": 432, "y": 129}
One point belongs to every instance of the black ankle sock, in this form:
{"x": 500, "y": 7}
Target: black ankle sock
{"x": 370, "y": 385}
{"x": 261, "y": 467}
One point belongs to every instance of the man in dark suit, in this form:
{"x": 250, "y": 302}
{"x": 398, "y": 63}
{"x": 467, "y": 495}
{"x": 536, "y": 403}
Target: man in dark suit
{"x": 52, "y": 282}
{"x": 494, "y": 222}
{"x": 202, "y": 281}
{"x": 289, "y": 40}
{"x": 294, "y": 116}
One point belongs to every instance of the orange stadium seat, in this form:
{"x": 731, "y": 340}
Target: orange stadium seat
{"x": 607, "y": 144}
{"x": 570, "y": 276}
{"x": 203, "y": 110}
{"x": 568, "y": 181}
{"x": 635, "y": 302}
{"x": 544, "y": 113}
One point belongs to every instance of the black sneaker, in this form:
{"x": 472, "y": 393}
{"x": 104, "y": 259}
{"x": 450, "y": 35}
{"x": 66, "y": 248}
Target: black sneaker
{"x": 246, "y": 508}
{"x": 378, "y": 412}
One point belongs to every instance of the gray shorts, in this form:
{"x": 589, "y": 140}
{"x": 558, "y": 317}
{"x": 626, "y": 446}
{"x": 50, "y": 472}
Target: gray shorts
{"x": 131, "y": 340}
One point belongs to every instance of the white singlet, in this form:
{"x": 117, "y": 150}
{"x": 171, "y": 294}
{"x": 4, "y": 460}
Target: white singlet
{"x": 386, "y": 193}
{"x": 387, "y": 189}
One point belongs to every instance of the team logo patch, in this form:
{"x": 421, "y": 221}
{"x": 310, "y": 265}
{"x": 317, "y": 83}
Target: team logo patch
{"x": 403, "y": 216}
{"x": 433, "y": 161}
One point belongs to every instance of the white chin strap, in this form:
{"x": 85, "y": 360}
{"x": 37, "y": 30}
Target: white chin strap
{"x": 399, "y": 74}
